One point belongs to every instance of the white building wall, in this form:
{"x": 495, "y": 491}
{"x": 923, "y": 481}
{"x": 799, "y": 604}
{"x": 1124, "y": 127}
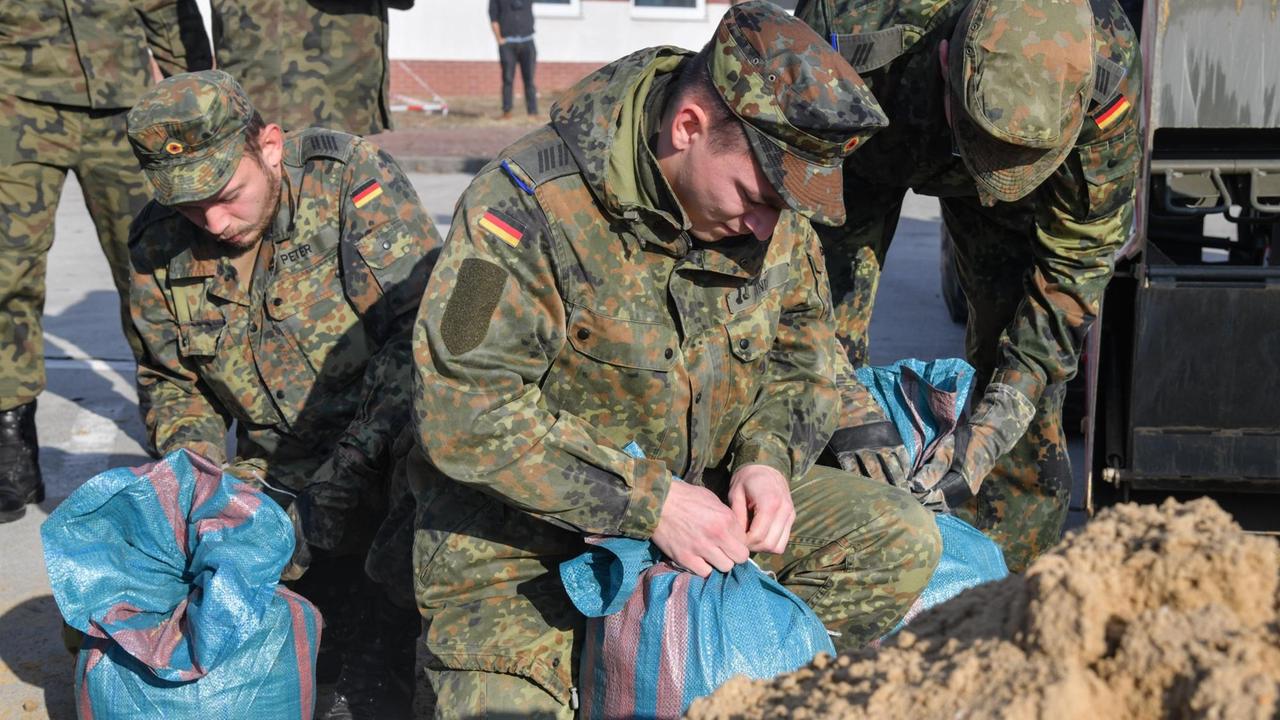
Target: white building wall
{"x": 602, "y": 31}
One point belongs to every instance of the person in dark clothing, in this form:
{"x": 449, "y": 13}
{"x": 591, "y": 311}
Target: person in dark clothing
{"x": 512, "y": 22}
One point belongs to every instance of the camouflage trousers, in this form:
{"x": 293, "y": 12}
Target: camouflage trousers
{"x": 486, "y": 576}
{"x": 39, "y": 144}
{"x": 1023, "y": 502}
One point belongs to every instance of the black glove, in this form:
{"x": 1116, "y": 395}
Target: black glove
{"x": 323, "y": 507}
{"x": 874, "y": 450}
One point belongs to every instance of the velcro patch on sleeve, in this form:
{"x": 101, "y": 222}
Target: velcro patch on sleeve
{"x": 470, "y": 308}
{"x": 498, "y": 226}
{"x": 365, "y": 193}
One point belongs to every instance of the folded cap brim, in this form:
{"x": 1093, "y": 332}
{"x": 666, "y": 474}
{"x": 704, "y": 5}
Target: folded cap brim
{"x": 815, "y": 190}
{"x": 1006, "y": 171}
{"x": 199, "y": 178}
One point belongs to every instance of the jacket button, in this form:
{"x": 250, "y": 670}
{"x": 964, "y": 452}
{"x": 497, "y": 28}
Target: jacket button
{"x": 253, "y": 327}
{"x": 669, "y": 353}
{"x": 583, "y": 333}
{"x": 697, "y": 398}
{"x": 279, "y": 394}
{"x": 277, "y": 302}
{"x": 386, "y": 245}
{"x": 744, "y": 343}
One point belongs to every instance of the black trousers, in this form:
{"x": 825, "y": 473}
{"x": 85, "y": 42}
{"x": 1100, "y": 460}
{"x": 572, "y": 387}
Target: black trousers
{"x": 525, "y": 55}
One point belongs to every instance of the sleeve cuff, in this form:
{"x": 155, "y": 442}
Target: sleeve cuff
{"x": 649, "y": 490}
{"x": 770, "y": 451}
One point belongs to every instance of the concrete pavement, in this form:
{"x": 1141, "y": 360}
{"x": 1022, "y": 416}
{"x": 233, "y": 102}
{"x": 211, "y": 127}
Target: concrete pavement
{"x": 88, "y": 420}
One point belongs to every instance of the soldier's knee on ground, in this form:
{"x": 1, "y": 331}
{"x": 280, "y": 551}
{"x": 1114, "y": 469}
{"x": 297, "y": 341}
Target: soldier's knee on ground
{"x": 860, "y": 553}
{"x": 469, "y": 695}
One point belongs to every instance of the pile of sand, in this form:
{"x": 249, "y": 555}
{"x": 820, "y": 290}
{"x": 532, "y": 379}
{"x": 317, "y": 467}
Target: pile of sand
{"x": 1146, "y": 613}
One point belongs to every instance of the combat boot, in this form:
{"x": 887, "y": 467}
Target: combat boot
{"x": 20, "y": 480}
{"x": 377, "y": 679}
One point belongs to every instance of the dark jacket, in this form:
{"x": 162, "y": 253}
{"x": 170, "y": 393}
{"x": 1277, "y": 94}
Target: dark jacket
{"x": 514, "y": 17}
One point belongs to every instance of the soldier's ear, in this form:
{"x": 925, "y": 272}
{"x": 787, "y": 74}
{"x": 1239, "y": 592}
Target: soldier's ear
{"x": 271, "y": 142}
{"x": 688, "y": 125}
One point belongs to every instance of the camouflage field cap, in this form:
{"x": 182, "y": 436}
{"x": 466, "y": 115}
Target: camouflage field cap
{"x": 1020, "y": 78}
{"x": 188, "y": 133}
{"x": 803, "y": 106}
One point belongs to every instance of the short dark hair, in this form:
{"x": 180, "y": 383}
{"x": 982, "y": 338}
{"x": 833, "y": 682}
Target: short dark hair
{"x": 251, "y": 133}
{"x": 694, "y": 83}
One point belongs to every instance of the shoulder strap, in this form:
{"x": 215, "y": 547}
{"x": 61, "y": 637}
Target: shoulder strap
{"x": 873, "y": 50}
{"x": 540, "y": 162}
{"x": 549, "y": 158}
{"x": 1107, "y": 75}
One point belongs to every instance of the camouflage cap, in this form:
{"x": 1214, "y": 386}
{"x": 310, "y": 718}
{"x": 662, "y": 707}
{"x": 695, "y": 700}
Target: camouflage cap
{"x": 1020, "y": 73}
{"x": 188, "y": 133}
{"x": 803, "y": 106}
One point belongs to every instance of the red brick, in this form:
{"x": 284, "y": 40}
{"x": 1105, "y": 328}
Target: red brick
{"x": 457, "y": 78}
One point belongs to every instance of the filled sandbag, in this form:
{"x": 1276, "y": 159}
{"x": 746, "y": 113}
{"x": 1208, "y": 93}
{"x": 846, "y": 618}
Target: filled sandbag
{"x": 171, "y": 570}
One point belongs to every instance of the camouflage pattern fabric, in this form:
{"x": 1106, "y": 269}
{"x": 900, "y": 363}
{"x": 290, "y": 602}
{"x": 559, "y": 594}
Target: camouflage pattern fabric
{"x": 189, "y": 135}
{"x": 754, "y": 59}
{"x": 311, "y": 355}
{"x": 94, "y": 53}
{"x": 67, "y": 71}
{"x": 570, "y": 314}
{"x": 466, "y": 695}
{"x": 309, "y": 63}
{"x": 1052, "y": 250}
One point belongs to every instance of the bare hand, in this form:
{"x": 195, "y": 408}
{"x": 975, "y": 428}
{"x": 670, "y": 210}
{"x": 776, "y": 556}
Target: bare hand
{"x": 699, "y": 532}
{"x": 761, "y": 501}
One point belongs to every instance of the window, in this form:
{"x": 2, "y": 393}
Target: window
{"x": 557, "y": 8}
{"x": 669, "y": 9}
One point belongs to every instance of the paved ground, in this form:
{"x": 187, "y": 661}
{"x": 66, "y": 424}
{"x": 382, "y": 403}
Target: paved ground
{"x": 88, "y": 421}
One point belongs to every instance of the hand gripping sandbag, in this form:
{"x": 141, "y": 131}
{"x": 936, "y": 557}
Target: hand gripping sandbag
{"x": 658, "y": 637}
{"x": 925, "y": 400}
{"x": 171, "y": 571}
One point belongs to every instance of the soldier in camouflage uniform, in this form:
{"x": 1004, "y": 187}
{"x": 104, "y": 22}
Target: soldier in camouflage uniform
{"x": 275, "y": 280}
{"x": 68, "y": 72}
{"x": 1021, "y": 118}
{"x": 306, "y": 63}
{"x": 642, "y": 269}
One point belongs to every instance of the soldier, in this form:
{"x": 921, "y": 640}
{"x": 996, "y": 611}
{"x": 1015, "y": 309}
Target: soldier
{"x": 641, "y": 269}
{"x": 275, "y": 280}
{"x": 1019, "y": 117}
{"x": 68, "y": 73}
{"x": 309, "y": 64}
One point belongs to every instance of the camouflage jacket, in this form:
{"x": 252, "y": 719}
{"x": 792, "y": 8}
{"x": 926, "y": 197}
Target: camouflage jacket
{"x": 93, "y": 54}
{"x": 308, "y": 64}
{"x": 316, "y": 351}
{"x": 1082, "y": 214}
{"x": 612, "y": 325}
{"x": 571, "y": 314}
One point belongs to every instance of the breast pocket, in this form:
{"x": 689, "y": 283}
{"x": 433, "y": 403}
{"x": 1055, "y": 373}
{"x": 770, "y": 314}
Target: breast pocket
{"x": 621, "y": 376}
{"x": 198, "y": 340}
{"x": 749, "y": 334}
{"x": 316, "y": 340}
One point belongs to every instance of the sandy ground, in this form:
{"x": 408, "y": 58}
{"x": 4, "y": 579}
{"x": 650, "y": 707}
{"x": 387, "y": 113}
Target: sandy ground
{"x": 1147, "y": 612}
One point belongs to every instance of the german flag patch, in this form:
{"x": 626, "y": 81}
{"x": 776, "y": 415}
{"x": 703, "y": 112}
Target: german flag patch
{"x": 366, "y": 193}
{"x": 1112, "y": 113}
{"x": 505, "y": 231}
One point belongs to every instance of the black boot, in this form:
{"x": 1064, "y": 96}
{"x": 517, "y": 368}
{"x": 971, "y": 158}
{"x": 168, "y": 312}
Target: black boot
{"x": 20, "y": 480}
{"x": 377, "y": 673}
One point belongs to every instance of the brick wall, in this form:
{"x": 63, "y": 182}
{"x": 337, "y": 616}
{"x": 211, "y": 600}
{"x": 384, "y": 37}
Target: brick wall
{"x": 455, "y": 78}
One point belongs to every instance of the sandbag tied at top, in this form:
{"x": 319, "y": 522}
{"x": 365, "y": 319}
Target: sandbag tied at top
{"x": 171, "y": 570}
